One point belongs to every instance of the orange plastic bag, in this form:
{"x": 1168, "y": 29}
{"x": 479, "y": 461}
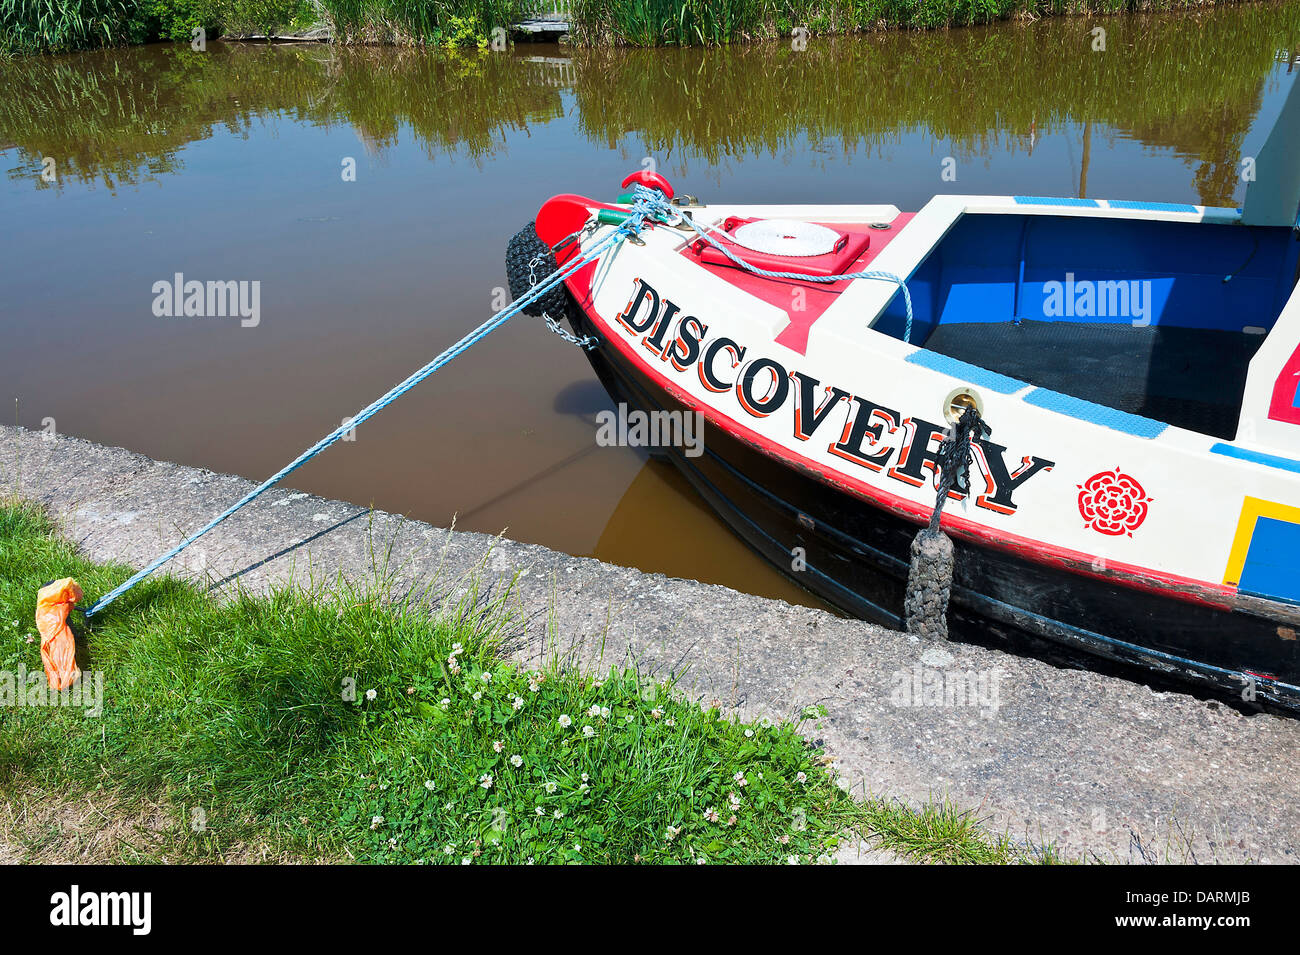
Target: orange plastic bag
{"x": 58, "y": 647}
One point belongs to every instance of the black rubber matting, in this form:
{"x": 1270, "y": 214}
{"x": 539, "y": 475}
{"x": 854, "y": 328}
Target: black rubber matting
{"x": 1187, "y": 377}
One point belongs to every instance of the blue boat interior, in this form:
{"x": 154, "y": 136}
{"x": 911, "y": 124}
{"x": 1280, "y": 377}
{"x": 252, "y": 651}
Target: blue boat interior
{"x": 1154, "y": 319}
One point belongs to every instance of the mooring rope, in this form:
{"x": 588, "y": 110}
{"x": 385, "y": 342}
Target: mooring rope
{"x": 954, "y": 458}
{"x": 930, "y": 570}
{"x": 656, "y": 201}
{"x": 634, "y": 223}
{"x": 648, "y": 204}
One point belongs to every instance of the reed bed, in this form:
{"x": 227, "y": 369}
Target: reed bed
{"x": 44, "y": 26}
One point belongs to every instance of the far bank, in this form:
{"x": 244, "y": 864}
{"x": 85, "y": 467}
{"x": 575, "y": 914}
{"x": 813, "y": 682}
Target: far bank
{"x": 48, "y": 26}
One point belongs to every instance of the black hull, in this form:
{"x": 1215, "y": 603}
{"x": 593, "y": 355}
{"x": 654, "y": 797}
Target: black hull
{"x": 856, "y": 558}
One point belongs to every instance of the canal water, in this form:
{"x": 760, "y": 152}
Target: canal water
{"x": 126, "y": 167}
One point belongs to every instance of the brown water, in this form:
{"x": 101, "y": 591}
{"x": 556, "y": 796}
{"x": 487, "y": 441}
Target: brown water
{"x": 227, "y": 165}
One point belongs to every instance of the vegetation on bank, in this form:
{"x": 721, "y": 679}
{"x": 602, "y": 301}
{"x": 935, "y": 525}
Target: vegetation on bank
{"x": 59, "y": 26}
{"x": 35, "y": 26}
{"x": 349, "y": 723}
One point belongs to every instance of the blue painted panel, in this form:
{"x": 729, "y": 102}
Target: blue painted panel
{"x": 1180, "y": 268}
{"x": 974, "y": 274}
{"x": 967, "y": 372}
{"x": 1151, "y": 206}
{"x": 1257, "y": 457}
{"x": 1272, "y": 566}
{"x": 1098, "y": 414}
{"x": 1051, "y": 201}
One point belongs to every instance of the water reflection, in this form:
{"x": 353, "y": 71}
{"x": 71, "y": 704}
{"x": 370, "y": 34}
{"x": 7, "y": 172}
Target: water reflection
{"x": 1190, "y": 84}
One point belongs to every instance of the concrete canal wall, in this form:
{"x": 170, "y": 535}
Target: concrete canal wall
{"x": 1101, "y": 766}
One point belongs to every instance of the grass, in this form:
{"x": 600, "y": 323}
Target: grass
{"x": 34, "y": 26}
{"x": 356, "y": 724}
{"x": 53, "y": 26}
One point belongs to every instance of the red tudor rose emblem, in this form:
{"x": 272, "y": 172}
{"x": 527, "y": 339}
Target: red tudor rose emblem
{"x": 1113, "y": 503}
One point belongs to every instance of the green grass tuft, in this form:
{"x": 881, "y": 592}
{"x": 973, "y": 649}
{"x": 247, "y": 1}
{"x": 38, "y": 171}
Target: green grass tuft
{"x": 356, "y": 723}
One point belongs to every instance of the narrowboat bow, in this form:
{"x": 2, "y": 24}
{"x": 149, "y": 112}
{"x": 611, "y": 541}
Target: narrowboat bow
{"x": 1138, "y": 495}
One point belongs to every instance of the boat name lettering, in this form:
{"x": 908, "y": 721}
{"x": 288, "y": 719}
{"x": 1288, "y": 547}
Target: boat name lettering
{"x": 872, "y": 436}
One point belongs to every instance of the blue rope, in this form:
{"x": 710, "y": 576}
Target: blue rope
{"x": 656, "y": 202}
{"x": 647, "y": 203}
{"x": 634, "y": 223}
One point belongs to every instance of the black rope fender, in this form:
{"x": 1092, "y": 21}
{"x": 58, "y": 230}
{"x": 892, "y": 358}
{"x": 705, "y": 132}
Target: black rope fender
{"x": 929, "y": 575}
{"x": 528, "y": 261}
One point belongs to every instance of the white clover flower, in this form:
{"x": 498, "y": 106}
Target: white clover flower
{"x": 541, "y": 811}
{"x": 588, "y": 731}
{"x": 558, "y": 814}
{"x": 392, "y": 843}
{"x": 740, "y": 779}
{"x": 517, "y": 703}
{"x": 793, "y": 860}
{"x": 671, "y": 832}
{"x": 670, "y": 722}
{"x": 711, "y": 814}
{"x": 604, "y": 712}
{"x": 477, "y": 695}
{"x": 444, "y": 702}
{"x": 734, "y": 800}
{"x": 487, "y": 677}
{"x": 485, "y": 780}
{"x": 466, "y": 860}
{"x": 593, "y": 710}
{"x": 551, "y": 787}
{"x": 801, "y": 777}
{"x": 430, "y": 785}
{"x": 749, "y": 733}
{"x": 376, "y": 822}
{"x": 586, "y": 778}
{"x": 532, "y": 686}
{"x": 656, "y": 713}
{"x": 516, "y": 760}
{"x": 564, "y": 721}
{"x": 583, "y": 787}
{"x": 498, "y": 746}
{"x": 371, "y": 694}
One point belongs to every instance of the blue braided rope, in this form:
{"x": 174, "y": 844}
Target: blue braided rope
{"x": 634, "y": 223}
{"x": 657, "y": 203}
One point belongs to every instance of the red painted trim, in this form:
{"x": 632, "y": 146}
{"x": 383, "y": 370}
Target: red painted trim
{"x": 1280, "y": 408}
{"x": 1219, "y": 596}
